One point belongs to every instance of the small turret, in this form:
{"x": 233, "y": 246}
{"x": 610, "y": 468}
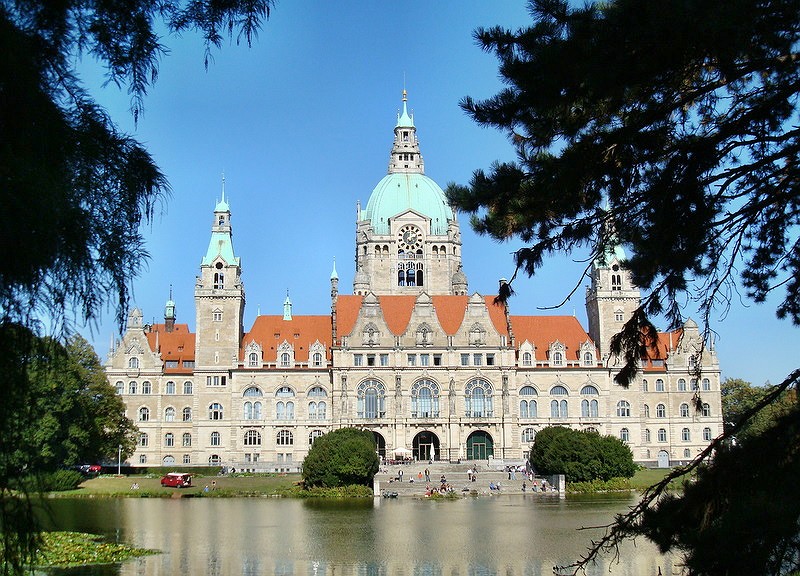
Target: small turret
{"x": 169, "y": 313}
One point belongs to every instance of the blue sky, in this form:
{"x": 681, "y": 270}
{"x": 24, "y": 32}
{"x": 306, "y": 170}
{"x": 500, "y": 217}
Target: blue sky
{"x": 301, "y": 125}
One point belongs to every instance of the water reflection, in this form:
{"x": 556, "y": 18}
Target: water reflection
{"x": 505, "y": 535}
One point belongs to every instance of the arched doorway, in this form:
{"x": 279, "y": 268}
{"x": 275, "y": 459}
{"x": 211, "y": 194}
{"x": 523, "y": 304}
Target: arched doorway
{"x": 426, "y": 446}
{"x": 380, "y": 444}
{"x": 663, "y": 459}
{"x": 480, "y": 446}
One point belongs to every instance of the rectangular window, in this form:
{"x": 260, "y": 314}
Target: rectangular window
{"x": 384, "y": 359}
{"x": 490, "y": 359}
{"x": 412, "y": 359}
{"x": 247, "y": 457}
{"x": 477, "y": 359}
{"x": 465, "y": 359}
{"x": 370, "y": 359}
{"x": 358, "y": 360}
{"x": 280, "y": 457}
{"x": 425, "y": 359}
{"x": 171, "y": 364}
{"x": 188, "y": 363}
{"x": 215, "y": 380}
{"x": 437, "y": 359}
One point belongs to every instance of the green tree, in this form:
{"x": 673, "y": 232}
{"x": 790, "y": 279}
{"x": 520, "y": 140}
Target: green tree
{"x": 580, "y": 455}
{"x": 75, "y": 187}
{"x": 671, "y": 128}
{"x": 739, "y": 397}
{"x": 341, "y": 457}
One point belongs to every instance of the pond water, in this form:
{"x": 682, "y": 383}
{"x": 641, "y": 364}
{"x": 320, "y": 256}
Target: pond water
{"x": 506, "y": 535}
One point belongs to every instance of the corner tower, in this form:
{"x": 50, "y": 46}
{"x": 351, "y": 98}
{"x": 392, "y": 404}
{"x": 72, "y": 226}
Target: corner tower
{"x": 219, "y": 297}
{"x": 611, "y": 298}
{"x": 407, "y": 238}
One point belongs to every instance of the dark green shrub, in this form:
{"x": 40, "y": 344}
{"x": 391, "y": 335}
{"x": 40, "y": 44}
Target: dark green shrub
{"x": 340, "y": 458}
{"x": 581, "y": 456}
{"x": 57, "y": 481}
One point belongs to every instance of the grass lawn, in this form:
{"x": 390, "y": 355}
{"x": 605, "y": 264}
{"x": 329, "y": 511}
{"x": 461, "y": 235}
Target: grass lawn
{"x": 646, "y": 477}
{"x": 261, "y": 485}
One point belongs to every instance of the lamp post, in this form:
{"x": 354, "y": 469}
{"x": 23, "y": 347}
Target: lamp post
{"x": 119, "y": 460}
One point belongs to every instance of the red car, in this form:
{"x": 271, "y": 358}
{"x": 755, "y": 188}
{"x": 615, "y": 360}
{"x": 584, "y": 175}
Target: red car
{"x": 176, "y": 480}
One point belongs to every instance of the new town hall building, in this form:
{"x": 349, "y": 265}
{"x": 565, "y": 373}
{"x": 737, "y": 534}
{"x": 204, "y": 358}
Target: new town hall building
{"x": 434, "y": 371}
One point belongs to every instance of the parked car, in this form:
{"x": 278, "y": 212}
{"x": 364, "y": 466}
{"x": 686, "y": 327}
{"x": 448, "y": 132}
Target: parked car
{"x": 89, "y": 469}
{"x": 176, "y": 480}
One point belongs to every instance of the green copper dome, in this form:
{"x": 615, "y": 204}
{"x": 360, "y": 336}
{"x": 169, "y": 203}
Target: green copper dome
{"x": 402, "y": 191}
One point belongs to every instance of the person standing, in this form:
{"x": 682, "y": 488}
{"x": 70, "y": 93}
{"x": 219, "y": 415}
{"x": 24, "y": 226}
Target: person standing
{"x": 400, "y": 474}
{"x": 427, "y": 475}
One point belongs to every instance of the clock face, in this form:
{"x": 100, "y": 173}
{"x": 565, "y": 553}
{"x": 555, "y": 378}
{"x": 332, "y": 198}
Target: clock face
{"x": 410, "y": 238}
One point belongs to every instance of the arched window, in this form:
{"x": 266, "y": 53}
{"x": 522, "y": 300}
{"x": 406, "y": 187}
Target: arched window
{"x": 252, "y": 392}
{"x": 527, "y": 408}
{"x": 142, "y": 458}
{"x": 589, "y": 390}
{"x": 681, "y": 385}
{"x": 425, "y": 399}
{"x": 214, "y": 459}
{"x": 284, "y": 410}
{"x": 659, "y": 385}
{"x": 169, "y": 439}
{"x": 589, "y": 409}
{"x": 588, "y": 359}
{"x": 169, "y": 414}
{"x": 144, "y": 414}
{"x": 187, "y": 414}
{"x": 371, "y": 399}
{"x": 187, "y": 387}
{"x": 286, "y": 360}
{"x": 646, "y": 411}
{"x": 215, "y": 411}
{"x": 284, "y": 392}
{"x": 147, "y": 388}
{"x": 623, "y": 408}
{"x": 322, "y": 410}
{"x": 313, "y": 435}
{"x": 478, "y": 399}
{"x": 706, "y": 384}
{"x": 646, "y": 435}
{"x": 684, "y": 410}
{"x": 252, "y": 410}
{"x": 144, "y": 439}
{"x": 559, "y": 409}
{"x": 252, "y": 360}
{"x": 317, "y": 392}
{"x": 559, "y": 391}
{"x": 625, "y": 435}
{"x": 131, "y": 387}
{"x": 528, "y": 435}
{"x": 120, "y": 386}
{"x": 557, "y": 359}
{"x": 170, "y": 388}
{"x": 661, "y": 411}
{"x": 616, "y": 282}
{"x": 686, "y": 435}
{"x": 187, "y": 440}
{"x": 168, "y": 460}
{"x": 252, "y": 438}
{"x": 316, "y": 359}
{"x": 216, "y": 439}
{"x": 133, "y": 362}
{"x": 644, "y": 386}
{"x": 707, "y": 434}
{"x": 527, "y": 359}
{"x": 662, "y": 435}
{"x": 284, "y": 438}
{"x": 219, "y": 280}
{"x": 706, "y": 409}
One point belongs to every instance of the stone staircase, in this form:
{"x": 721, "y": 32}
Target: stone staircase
{"x": 456, "y": 476}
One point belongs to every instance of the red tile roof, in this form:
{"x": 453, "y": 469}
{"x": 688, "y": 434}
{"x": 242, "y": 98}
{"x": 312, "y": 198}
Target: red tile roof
{"x": 177, "y": 345}
{"x": 544, "y": 330}
{"x": 301, "y": 332}
{"x": 397, "y": 310}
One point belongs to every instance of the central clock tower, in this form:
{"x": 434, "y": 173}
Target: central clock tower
{"x": 407, "y": 238}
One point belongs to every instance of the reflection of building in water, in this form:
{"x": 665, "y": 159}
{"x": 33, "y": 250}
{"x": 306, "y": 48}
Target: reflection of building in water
{"x": 411, "y": 355}
{"x": 487, "y": 535}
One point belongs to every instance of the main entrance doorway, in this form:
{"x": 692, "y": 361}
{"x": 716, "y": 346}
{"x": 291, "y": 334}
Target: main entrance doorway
{"x": 480, "y": 446}
{"x": 663, "y": 459}
{"x": 380, "y": 444}
{"x": 426, "y": 446}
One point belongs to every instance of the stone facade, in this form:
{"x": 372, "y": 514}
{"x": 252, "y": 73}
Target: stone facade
{"x": 433, "y": 371}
